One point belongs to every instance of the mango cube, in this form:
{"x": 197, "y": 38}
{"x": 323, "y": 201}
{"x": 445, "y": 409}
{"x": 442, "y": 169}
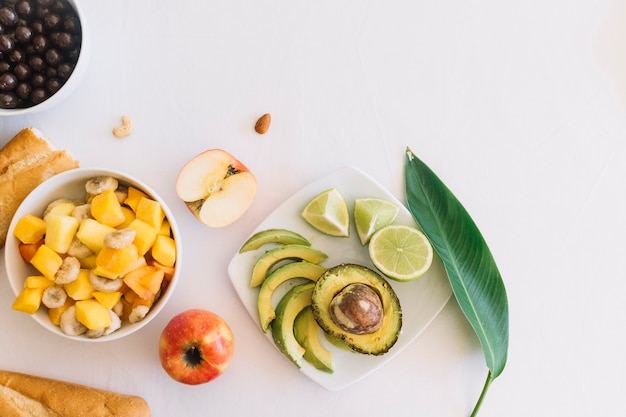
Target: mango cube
{"x": 106, "y": 208}
{"x": 166, "y": 228}
{"x": 107, "y": 299}
{"x": 28, "y": 300}
{"x": 92, "y": 314}
{"x": 145, "y": 235}
{"x": 129, "y": 216}
{"x": 38, "y": 281}
{"x": 145, "y": 281}
{"x": 30, "y": 229}
{"x": 28, "y": 250}
{"x": 80, "y": 288}
{"x": 134, "y": 195}
{"x": 88, "y": 262}
{"x": 151, "y": 212}
{"x": 117, "y": 261}
{"x": 54, "y": 314}
{"x": 92, "y": 233}
{"x": 46, "y": 261}
{"x": 60, "y": 230}
{"x": 164, "y": 250}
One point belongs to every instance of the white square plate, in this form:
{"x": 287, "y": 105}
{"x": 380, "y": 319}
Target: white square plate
{"x": 421, "y": 300}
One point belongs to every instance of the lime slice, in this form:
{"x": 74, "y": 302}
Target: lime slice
{"x": 328, "y": 213}
{"x": 401, "y": 252}
{"x": 371, "y": 215}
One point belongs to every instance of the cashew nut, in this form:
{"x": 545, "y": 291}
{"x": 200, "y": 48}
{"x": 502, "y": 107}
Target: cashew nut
{"x": 124, "y": 130}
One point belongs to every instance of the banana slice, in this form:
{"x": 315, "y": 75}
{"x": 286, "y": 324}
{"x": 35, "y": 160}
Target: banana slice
{"x": 138, "y": 314}
{"x": 116, "y": 323}
{"x": 69, "y": 324}
{"x": 104, "y": 284}
{"x": 120, "y": 238}
{"x": 82, "y": 212}
{"x": 54, "y": 297}
{"x": 78, "y": 249}
{"x": 68, "y": 271}
{"x": 97, "y": 185}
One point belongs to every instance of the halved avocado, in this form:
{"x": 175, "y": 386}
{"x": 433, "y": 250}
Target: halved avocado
{"x": 292, "y": 303}
{"x": 270, "y": 258}
{"x": 301, "y": 269}
{"x": 280, "y": 236}
{"x": 337, "y": 278}
{"x": 306, "y": 331}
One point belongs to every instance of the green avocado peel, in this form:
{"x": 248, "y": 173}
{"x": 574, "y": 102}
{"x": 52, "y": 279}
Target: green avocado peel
{"x": 471, "y": 269}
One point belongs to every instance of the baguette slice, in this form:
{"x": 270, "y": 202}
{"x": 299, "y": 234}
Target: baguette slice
{"x": 26, "y": 161}
{"x": 23, "y": 395}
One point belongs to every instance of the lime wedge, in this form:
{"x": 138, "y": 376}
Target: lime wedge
{"x": 371, "y": 215}
{"x": 401, "y": 252}
{"x": 328, "y": 213}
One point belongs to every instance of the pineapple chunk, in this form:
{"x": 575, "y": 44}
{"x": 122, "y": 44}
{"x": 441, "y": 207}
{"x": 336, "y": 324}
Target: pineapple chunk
{"x": 164, "y": 250}
{"x": 63, "y": 207}
{"x": 92, "y": 233}
{"x": 145, "y": 237}
{"x": 54, "y": 314}
{"x": 107, "y": 299}
{"x": 151, "y": 212}
{"x": 92, "y": 314}
{"x": 80, "y": 288}
{"x": 129, "y": 216}
{"x": 145, "y": 281}
{"x": 134, "y": 195}
{"x": 28, "y": 300}
{"x": 30, "y": 229}
{"x": 117, "y": 261}
{"x": 46, "y": 261}
{"x": 60, "y": 230}
{"x": 106, "y": 208}
{"x": 38, "y": 281}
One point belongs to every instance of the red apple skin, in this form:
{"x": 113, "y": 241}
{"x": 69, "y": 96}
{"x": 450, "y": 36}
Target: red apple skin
{"x": 203, "y": 333}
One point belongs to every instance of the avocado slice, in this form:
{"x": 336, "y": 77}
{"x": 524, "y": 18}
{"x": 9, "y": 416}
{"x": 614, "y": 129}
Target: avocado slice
{"x": 270, "y": 258}
{"x": 292, "y": 303}
{"x": 337, "y": 278}
{"x": 280, "y": 236}
{"x": 306, "y": 331}
{"x": 301, "y": 269}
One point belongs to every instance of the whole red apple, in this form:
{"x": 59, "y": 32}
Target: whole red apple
{"x": 196, "y": 347}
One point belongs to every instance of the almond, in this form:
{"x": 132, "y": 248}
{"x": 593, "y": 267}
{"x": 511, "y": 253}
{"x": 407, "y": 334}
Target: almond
{"x": 263, "y": 124}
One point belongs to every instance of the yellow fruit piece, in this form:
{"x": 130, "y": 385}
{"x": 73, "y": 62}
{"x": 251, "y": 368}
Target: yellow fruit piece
{"x": 38, "y": 281}
{"x": 106, "y": 208}
{"x": 164, "y": 250}
{"x": 30, "y": 229}
{"x": 54, "y": 314}
{"x": 117, "y": 261}
{"x": 92, "y": 314}
{"x": 166, "y": 228}
{"x": 105, "y": 273}
{"x": 80, "y": 288}
{"x": 92, "y": 233}
{"x": 134, "y": 195}
{"x": 150, "y": 212}
{"x": 145, "y": 235}
{"x": 107, "y": 299}
{"x": 65, "y": 208}
{"x": 46, "y": 261}
{"x": 28, "y": 300}
{"x": 88, "y": 262}
{"x": 129, "y": 216}
{"x": 145, "y": 281}
{"x": 60, "y": 230}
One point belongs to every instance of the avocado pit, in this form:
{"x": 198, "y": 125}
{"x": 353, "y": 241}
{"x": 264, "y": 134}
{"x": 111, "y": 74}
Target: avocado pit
{"x": 357, "y": 309}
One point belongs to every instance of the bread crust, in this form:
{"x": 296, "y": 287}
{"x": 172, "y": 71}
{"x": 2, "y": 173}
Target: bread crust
{"x": 24, "y": 395}
{"x": 26, "y": 161}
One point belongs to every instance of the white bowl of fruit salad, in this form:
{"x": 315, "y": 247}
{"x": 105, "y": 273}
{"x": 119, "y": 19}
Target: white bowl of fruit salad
{"x": 92, "y": 254}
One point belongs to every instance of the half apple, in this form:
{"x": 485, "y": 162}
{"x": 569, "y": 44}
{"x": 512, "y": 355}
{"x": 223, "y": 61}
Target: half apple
{"x": 216, "y": 187}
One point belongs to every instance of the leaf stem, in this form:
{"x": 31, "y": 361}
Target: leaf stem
{"x": 482, "y": 395}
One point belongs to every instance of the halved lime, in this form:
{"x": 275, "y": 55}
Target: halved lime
{"x": 328, "y": 213}
{"x": 400, "y": 252}
{"x": 372, "y": 214}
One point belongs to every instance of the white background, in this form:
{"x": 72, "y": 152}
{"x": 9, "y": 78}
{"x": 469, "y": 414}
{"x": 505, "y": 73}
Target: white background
{"x": 517, "y": 106}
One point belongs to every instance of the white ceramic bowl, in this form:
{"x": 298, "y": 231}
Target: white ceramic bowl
{"x": 71, "y": 184}
{"x": 72, "y": 82}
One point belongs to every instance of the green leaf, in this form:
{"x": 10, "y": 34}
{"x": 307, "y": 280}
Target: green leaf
{"x": 471, "y": 269}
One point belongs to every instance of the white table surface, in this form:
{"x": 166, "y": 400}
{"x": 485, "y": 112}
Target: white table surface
{"x": 518, "y": 106}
